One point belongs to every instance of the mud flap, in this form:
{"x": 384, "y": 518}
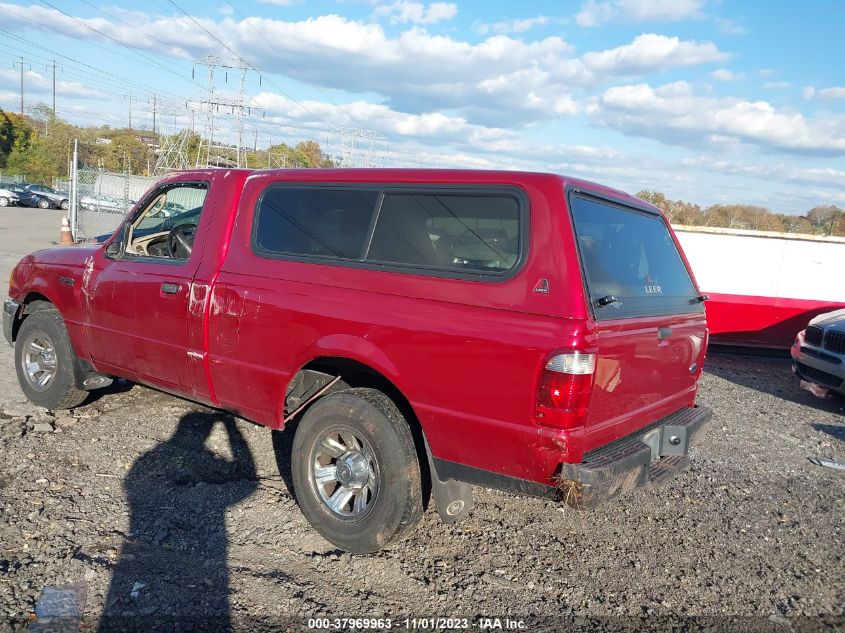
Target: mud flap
{"x": 87, "y": 378}
{"x": 452, "y": 498}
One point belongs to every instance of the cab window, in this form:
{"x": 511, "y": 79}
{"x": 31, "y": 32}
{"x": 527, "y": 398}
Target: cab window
{"x": 167, "y": 224}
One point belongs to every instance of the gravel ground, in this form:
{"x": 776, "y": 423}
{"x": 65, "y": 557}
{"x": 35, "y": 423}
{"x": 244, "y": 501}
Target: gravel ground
{"x": 156, "y": 509}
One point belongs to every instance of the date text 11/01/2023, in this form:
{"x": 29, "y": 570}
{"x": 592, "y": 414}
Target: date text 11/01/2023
{"x": 421, "y": 624}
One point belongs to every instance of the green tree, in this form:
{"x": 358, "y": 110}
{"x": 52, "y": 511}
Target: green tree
{"x": 309, "y": 154}
{"x": 124, "y": 152}
{"x": 12, "y": 127}
{"x": 677, "y": 211}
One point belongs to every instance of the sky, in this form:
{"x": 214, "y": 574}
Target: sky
{"x": 710, "y": 101}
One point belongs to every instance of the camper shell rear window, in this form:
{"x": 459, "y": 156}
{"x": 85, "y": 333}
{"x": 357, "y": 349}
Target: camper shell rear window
{"x": 632, "y": 266}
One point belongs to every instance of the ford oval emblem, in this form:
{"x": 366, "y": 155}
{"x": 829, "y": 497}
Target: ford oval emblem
{"x": 693, "y": 367}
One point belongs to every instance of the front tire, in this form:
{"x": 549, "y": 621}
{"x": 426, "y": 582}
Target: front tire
{"x": 4, "y": 201}
{"x": 355, "y": 470}
{"x": 44, "y": 361}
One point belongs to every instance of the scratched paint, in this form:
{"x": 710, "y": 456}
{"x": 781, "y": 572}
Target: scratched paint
{"x": 86, "y": 276}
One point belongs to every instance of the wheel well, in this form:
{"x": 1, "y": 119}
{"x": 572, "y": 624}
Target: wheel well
{"x": 320, "y": 371}
{"x": 33, "y": 302}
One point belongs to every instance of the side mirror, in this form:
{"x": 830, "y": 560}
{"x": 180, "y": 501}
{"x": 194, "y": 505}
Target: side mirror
{"x": 113, "y": 249}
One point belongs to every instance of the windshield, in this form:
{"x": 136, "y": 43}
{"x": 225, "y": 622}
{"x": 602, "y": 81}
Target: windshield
{"x": 631, "y": 264}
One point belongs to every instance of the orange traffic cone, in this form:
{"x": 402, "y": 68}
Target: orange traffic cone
{"x": 64, "y": 236}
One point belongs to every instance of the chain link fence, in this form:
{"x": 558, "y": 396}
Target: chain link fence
{"x": 103, "y": 200}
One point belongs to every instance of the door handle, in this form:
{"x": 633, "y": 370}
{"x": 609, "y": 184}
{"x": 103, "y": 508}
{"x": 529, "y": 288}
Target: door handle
{"x": 663, "y": 332}
{"x": 171, "y": 289}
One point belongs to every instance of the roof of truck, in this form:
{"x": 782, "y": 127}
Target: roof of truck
{"x": 415, "y": 175}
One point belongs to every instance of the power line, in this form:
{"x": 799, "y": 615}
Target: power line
{"x": 126, "y": 81}
{"x": 146, "y": 88}
{"x": 122, "y": 21}
{"x": 116, "y": 41}
{"x": 236, "y": 54}
{"x": 280, "y": 54}
{"x": 90, "y": 84}
{"x": 111, "y": 80}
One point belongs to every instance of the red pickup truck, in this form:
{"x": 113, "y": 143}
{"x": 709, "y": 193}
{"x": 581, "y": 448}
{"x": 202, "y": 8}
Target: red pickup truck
{"x": 424, "y": 330}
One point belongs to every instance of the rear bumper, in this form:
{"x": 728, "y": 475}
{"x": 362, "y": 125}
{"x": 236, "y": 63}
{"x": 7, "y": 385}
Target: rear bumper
{"x": 10, "y": 310}
{"x": 650, "y": 456}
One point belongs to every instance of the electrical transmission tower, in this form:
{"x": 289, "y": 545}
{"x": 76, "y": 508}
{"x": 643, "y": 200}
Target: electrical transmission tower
{"x": 361, "y": 147}
{"x": 213, "y": 151}
{"x": 173, "y": 153}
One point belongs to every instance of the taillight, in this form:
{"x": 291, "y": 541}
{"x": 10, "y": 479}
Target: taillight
{"x": 564, "y": 389}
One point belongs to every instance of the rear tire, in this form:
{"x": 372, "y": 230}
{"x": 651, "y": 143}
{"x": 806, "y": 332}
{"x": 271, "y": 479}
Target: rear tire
{"x": 44, "y": 361}
{"x": 355, "y": 470}
{"x": 4, "y": 201}
{"x": 64, "y": 205}
{"x": 43, "y": 204}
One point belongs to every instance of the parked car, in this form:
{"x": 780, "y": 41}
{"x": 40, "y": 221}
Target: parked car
{"x": 108, "y": 204}
{"x": 60, "y": 198}
{"x": 818, "y": 354}
{"x": 29, "y": 198}
{"x": 8, "y": 197}
{"x": 425, "y": 330}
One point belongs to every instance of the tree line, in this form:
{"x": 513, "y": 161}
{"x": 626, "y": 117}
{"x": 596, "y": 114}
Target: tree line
{"x": 39, "y": 147}
{"x": 820, "y": 220}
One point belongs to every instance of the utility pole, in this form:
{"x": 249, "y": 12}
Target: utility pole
{"x": 154, "y": 112}
{"x": 21, "y": 62}
{"x": 74, "y": 187}
{"x": 54, "y": 88}
{"x": 130, "y": 98}
{"x": 216, "y": 153}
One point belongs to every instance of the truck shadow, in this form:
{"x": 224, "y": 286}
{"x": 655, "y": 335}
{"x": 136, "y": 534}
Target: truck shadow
{"x": 173, "y": 564}
{"x": 767, "y": 373}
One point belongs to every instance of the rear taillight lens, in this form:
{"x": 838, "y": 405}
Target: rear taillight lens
{"x": 564, "y": 389}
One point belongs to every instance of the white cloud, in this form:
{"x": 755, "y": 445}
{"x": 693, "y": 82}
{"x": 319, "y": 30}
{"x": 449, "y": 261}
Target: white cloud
{"x": 821, "y": 176}
{"x": 650, "y": 53}
{"x": 767, "y": 72}
{"x": 595, "y": 13}
{"x": 673, "y": 114}
{"x": 514, "y": 26}
{"x": 40, "y": 85}
{"x": 808, "y": 92}
{"x": 501, "y": 80}
{"x": 777, "y": 85}
{"x": 500, "y": 147}
{"x": 832, "y": 93}
{"x": 723, "y": 74}
{"x": 280, "y": 3}
{"x": 405, "y": 11}
{"x": 729, "y": 27}
{"x": 387, "y": 121}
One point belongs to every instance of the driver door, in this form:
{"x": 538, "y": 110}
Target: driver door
{"x": 138, "y": 301}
